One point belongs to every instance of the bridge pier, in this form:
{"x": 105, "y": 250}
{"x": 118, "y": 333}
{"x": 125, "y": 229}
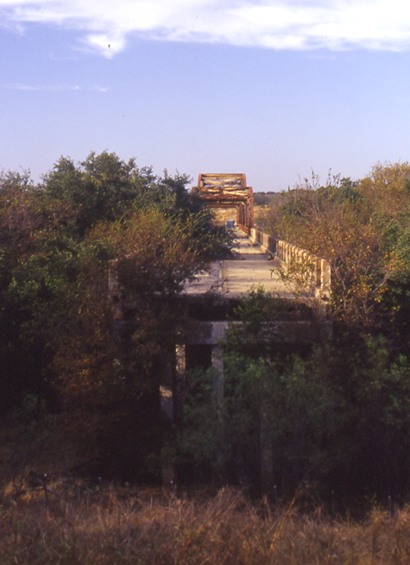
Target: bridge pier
{"x": 209, "y": 302}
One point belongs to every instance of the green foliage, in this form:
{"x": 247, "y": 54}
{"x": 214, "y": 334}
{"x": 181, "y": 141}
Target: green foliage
{"x": 289, "y": 408}
{"x": 255, "y": 334}
{"x": 200, "y": 436}
{"x": 271, "y": 401}
{"x": 59, "y": 241}
{"x": 338, "y": 417}
{"x": 104, "y": 188}
{"x": 362, "y": 228}
{"x": 265, "y": 198}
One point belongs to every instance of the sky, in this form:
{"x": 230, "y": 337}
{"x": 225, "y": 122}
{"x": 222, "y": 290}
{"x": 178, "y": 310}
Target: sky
{"x": 276, "y": 89}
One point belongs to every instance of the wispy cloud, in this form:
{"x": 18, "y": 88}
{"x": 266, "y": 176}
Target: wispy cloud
{"x": 54, "y": 87}
{"x": 106, "y": 28}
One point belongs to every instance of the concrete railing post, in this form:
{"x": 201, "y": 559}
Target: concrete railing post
{"x": 316, "y": 272}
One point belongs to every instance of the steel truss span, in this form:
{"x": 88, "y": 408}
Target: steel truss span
{"x": 228, "y": 195}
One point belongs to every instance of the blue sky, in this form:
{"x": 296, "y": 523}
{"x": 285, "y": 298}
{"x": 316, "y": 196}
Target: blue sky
{"x": 274, "y": 89}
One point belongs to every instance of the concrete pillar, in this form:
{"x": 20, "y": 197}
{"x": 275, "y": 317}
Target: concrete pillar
{"x": 326, "y": 281}
{"x": 178, "y": 385}
{"x": 218, "y": 366}
{"x": 279, "y": 251}
{"x": 317, "y": 272}
{"x": 180, "y": 359}
{"x": 266, "y": 452}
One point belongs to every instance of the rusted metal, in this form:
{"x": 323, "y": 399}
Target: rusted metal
{"x": 229, "y": 192}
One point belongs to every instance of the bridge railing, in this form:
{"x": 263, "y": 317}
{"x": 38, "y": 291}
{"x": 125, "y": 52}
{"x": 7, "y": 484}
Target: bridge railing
{"x": 245, "y": 229}
{"x": 312, "y": 271}
{"x": 267, "y": 242}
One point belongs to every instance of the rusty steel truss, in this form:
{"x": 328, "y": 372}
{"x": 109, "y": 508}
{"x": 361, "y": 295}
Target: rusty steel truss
{"x": 227, "y": 191}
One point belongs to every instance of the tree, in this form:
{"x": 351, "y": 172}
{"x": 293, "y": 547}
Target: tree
{"x": 274, "y": 403}
{"x": 24, "y": 223}
{"x": 336, "y": 418}
{"x": 109, "y": 374}
{"x": 59, "y": 241}
{"x": 350, "y": 225}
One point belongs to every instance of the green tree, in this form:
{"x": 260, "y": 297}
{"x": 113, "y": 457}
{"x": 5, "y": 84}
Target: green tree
{"x": 274, "y": 402}
{"x": 109, "y": 372}
{"x": 59, "y": 241}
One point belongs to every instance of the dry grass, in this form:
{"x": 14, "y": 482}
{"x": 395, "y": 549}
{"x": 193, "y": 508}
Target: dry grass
{"x": 115, "y": 525}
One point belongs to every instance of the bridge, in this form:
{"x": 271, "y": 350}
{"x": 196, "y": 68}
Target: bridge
{"x": 228, "y": 196}
{"x": 260, "y": 261}
{"x": 292, "y": 275}
{"x": 298, "y": 281}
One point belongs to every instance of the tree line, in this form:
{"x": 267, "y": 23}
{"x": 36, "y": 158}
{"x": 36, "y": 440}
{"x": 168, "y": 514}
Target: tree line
{"x": 337, "y": 415}
{"x": 59, "y": 238}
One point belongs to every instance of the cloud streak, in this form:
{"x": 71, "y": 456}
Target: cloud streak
{"x": 54, "y": 87}
{"x": 107, "y": 28}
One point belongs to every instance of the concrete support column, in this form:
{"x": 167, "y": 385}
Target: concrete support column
{"x": 178, "y": 384}
{"x": 325, "y": 278}
{"x": 180, "y": 359}
{"x": 218, "y": 366}
{"x": 266, "y": 452}
{"x": 317, "y": 272}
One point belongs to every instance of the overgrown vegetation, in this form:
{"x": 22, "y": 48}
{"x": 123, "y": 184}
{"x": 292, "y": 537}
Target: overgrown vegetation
{"x": 362, "y": 228}
{"x": 80, "y": 389}
{"x": 59, "y": 242}
{"x": 337, "y": 415}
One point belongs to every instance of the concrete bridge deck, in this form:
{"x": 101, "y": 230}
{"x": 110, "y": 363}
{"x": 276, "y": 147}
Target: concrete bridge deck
{"x": 248, "y": 269}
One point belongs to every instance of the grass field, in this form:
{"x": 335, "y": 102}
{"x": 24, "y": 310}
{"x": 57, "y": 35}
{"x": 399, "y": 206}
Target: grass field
{"x": 71, "y": 523}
